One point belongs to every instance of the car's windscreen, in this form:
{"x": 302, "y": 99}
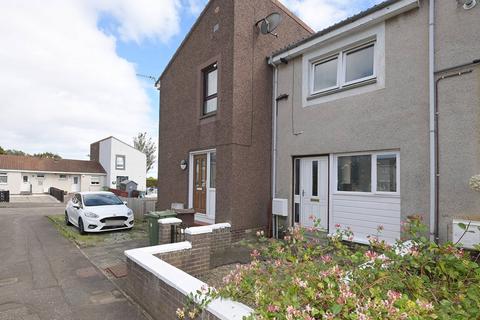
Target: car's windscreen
{"x": 94, "y": 200}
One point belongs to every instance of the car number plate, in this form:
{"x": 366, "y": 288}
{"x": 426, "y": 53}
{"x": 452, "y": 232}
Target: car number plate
{"x": 114, "y": 223}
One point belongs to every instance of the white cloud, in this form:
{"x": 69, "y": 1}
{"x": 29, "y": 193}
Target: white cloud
{"x": 62, "y": 84}
{"x": 195, "y": 6}
{"x": 143, "y": 19}
{"x": 320, "y": 14}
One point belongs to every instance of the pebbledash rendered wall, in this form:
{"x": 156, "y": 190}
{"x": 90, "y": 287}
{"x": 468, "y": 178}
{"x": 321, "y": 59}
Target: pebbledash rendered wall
{"x": 161, "y": 277}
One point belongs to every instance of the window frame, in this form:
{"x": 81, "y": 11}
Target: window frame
{"x": 341, "y": 55}
{"x": 62, "y": 177}
{"x": 4, "y": 174}
{"x": 94, "y": 177}
{"x": 124, "y": 162}
{"x": 373, "y": 173}
{"x": 205, "y": 97}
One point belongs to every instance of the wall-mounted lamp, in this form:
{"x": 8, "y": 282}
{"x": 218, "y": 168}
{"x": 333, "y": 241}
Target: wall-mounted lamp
{"x": 467, "y": 4}
{"x": 183, "y": 164}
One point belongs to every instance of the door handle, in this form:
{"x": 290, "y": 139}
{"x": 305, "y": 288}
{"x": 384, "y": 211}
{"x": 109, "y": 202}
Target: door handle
{"x": 303, "y": 193}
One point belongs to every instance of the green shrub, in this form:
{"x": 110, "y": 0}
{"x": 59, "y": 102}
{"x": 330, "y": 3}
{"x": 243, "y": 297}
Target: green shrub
{"x": 301, "y": 279}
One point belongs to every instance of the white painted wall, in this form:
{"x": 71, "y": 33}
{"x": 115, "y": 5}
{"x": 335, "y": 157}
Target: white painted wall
{"x": 135, "y": 162}
{"x": 15, "y": 180}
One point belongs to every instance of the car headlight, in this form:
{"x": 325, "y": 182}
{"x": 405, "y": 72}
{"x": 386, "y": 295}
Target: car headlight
{"x": 91, "y": 215}
{"x": 129, "y": 212}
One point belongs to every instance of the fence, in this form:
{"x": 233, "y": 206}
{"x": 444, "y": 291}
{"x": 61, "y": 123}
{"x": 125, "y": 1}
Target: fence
{"x": 4, "y": 196}
{"x": 140, "y": 206}
{"x": 57, "y": 193}
{"x": 119, "y": 193}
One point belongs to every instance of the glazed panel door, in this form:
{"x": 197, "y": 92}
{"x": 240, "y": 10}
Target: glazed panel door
{"x": 200, "y": 183}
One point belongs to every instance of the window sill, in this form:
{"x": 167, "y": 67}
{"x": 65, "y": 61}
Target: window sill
{"x": 344, "y": 88}
{"x": 208, "y": 115}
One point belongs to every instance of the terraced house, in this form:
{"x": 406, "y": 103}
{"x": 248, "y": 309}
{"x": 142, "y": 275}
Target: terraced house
{"x": 379, "y": 119}
{"x": 215, "y": 114}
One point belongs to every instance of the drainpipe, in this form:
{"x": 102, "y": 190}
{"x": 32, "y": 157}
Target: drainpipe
{"x": 274, "y": 141}
{"x": 432, "y": 132}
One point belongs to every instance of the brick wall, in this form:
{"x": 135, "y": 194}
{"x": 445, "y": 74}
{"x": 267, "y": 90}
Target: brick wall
{"x": 161, "y": 285}
{"x": 157, "y": 297}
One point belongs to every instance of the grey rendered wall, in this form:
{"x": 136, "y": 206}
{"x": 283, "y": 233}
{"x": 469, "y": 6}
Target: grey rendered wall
{"x": 395, "y": 117}
{"x": 458, "y": 42}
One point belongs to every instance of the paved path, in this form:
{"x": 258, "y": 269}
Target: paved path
{"x": 44, "y": 276}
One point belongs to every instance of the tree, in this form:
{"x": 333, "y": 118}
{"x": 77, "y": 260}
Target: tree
{"x": 151, "y": 182}
{"x": 47, "y": 155}
{"x": 14, "y": 152}
{"x": 146, "y": 145}
{"x": 2, "y": 151}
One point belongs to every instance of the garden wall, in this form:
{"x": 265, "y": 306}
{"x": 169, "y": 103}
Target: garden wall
{"x": 158, "y": 279}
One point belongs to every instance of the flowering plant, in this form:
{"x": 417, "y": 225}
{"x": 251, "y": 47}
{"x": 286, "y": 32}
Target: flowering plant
{"x": 334, "y": 278}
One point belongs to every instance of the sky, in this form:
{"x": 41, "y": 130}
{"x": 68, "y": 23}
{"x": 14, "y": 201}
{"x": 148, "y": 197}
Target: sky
{"x": 69, "y": 68}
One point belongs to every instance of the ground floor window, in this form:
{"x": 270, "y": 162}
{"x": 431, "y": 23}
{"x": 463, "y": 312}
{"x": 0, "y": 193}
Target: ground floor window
{"x": 62, "y": 177}
{"x": 370, "y": 172}
{"x": 95, "y": 180}
{"x": 3, "y": 178}
{"x": 120, "y": 179}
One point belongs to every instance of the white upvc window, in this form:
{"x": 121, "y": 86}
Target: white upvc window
{"x": 367, "y": 173}
{"x": 94, "y": 180}
{"x": 3, "y": 178}
{"x": 343, "y": 68}
{"x": 62, "y": 177}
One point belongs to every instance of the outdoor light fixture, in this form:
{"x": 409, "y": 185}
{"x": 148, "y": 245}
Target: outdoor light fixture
{"x": 468, "y": 4}
{"x": 183, "y": 164}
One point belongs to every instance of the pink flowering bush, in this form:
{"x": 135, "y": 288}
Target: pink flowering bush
{"x": 300, "y": 278}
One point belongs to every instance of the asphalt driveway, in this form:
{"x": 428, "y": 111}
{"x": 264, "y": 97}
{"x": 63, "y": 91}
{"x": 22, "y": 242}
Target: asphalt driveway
{"x": 44, "y": 276}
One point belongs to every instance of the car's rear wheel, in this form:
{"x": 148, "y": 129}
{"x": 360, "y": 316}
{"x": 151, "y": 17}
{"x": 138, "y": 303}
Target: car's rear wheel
{"x": 81, "y": 228}
{"x": 67, "y": 222}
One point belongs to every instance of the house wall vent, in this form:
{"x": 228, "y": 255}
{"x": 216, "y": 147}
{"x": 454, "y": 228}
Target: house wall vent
{"x": 280, "y": 207}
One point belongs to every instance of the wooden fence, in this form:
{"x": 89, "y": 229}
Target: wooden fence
{"x": 140, "y": 206}
{"x": 57, "y": 193}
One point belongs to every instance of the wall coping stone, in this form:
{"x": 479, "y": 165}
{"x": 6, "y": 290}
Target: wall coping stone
{"x": 206, "y": 229}
{"x": 169, "y": 221}
{"x": 220, "y": 226}
{"x": 224, "y": 309}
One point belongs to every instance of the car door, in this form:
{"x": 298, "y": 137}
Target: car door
{"x": 76, "y": 207}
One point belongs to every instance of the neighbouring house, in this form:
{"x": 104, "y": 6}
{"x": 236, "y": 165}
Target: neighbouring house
{"x": 121, "y": 162}
{"x": 31, "y": 175}
{"x": 375, "y": 124}
{"x": 215, "y": 115}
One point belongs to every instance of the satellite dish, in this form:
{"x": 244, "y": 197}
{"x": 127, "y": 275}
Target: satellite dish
{"x": 270, "y": 23}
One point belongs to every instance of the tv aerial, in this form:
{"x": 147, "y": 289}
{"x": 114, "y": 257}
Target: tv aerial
{"x": 268, "y": 24}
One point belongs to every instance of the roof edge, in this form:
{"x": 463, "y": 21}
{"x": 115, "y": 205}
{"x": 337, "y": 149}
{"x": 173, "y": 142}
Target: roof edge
{"x": 390, "y": 7}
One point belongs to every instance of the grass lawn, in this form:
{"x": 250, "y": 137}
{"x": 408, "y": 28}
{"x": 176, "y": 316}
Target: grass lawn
{"x": 139, "y": 231}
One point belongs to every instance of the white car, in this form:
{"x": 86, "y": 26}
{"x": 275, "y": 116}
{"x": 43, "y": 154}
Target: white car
{"x": 97, "y": 212}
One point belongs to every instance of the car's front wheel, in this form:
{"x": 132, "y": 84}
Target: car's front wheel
{"x": 81, "y": 228}
{"x": 67, "y": 222}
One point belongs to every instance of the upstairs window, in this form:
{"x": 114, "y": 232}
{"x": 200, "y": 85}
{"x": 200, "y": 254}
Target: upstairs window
{"x": 342, "y": 69}
{"x": 119, "y": 162}
{"x": 210, "y": 92}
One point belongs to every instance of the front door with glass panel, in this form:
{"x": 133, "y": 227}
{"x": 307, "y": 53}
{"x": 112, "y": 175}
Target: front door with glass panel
{"x": 25, "y": 186}
{"x": 76, "y": 184}
{"x": 200, "y": 183}
{"x": 313, "y": 191}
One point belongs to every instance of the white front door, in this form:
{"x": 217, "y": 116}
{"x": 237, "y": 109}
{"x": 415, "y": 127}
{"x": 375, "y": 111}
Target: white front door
{"x": 76, "y": 184}
{"x": 314, "y": 191}
{"x": 25, "y": 186}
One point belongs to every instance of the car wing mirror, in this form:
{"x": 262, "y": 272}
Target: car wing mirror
{"x": 76, "y": 206}
{"x": 125, "y": 202}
